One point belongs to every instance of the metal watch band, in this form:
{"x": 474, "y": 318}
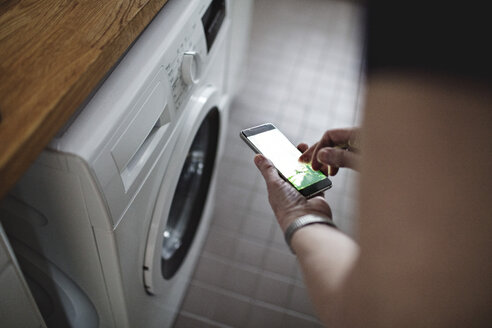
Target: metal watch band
{"x": 302, "y": 222}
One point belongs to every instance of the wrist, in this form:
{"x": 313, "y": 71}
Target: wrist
{"x": 286, "y": 219}
{"x": 304, "y": 221}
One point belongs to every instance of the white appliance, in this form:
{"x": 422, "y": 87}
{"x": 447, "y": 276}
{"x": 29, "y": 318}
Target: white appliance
{"x": 108, "y": 222}
{"x": 17, "y": 306}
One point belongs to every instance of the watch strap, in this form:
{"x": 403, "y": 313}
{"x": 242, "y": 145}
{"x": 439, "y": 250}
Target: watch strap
{"x": 303, "y": 221}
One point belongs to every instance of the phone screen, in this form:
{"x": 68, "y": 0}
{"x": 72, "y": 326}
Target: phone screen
{"x": 285, "y": 157}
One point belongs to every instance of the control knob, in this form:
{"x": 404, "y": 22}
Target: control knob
{"x": 191, "y": 67}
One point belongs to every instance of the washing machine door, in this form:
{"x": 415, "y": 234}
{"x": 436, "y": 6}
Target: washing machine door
{"x": 61, "y": 302}
{"x": 183, "y": 195}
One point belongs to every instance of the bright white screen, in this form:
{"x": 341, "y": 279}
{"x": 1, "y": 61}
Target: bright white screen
{"x": 285, "y": 156}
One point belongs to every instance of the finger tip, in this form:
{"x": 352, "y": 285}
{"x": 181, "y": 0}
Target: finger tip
{"x": 302, "y": 147}
{"x": 259, "y": 160}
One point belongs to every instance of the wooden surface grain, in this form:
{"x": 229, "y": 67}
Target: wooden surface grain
{"x": 53, "y": 53}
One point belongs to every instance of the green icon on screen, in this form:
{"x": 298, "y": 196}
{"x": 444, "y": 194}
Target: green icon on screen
{"x": 305, "y": 176}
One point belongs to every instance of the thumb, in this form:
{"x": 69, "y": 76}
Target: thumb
{"x": 267, "y": 169}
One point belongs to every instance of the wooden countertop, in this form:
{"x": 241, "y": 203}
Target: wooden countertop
{"x": 53, "y": 53}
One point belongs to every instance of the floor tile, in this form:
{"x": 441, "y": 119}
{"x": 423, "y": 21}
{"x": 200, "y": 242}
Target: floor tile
{"x": 280, "y": 261}
{"x": 300, "y": 302}
{"x": 263, "y": 316}
{"x": 240, "y": 279}
{"x": 232, "y": 311}
{"x": 186, "y": 321}
{"x": 248, "y": 252}
{"x": 274, "y": 290}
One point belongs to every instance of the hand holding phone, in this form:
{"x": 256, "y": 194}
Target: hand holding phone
{"x": 266, "y": 139}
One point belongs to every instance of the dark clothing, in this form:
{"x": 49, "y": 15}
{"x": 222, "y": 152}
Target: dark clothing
{"x": 448, "y": 38}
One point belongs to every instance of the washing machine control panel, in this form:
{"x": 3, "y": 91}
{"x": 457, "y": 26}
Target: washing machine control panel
{"x": 185, "y": 61}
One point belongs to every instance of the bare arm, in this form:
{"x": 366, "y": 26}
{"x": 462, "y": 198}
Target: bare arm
{"x": 326, "y": 257}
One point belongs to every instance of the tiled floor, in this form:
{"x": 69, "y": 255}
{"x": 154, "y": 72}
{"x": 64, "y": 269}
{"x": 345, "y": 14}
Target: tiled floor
{"x": 303, "y": 76}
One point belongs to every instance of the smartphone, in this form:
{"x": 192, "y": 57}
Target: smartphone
{"x": 266, "y": 139}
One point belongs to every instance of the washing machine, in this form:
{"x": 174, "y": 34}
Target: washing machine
{"x": 108, "y": 222}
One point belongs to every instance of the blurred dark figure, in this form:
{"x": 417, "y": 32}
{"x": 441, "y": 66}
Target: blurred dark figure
{"x": 423, "y": 253}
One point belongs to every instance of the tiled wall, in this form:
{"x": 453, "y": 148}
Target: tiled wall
{"x": 304, "y": 76}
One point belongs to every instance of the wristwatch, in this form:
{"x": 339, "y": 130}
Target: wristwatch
{"x": 302, "y": 222}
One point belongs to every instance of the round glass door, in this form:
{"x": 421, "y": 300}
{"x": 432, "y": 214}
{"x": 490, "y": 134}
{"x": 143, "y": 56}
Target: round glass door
{"x": 190, "y": 195}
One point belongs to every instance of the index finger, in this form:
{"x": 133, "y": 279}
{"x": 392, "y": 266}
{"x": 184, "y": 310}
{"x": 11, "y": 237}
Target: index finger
{"x": 302, "y": 147}
{"x": 308, "y": 154}
{"x": 331, "y": 138}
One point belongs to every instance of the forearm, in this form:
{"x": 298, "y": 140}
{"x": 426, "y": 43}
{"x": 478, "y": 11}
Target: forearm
{"x": 326, "y": 257}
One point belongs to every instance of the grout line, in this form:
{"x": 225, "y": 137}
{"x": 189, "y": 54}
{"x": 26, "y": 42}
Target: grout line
{"x": 205, "y": 319}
